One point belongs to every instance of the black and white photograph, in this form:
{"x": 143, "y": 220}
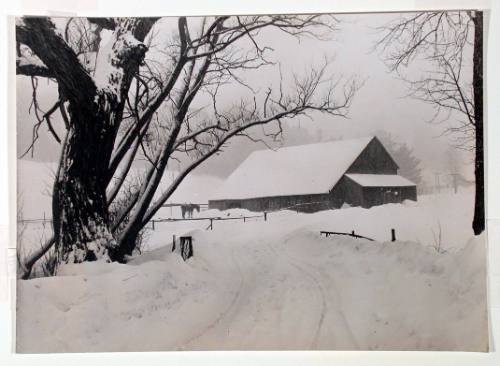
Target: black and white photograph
{"x": 251, "y": 182}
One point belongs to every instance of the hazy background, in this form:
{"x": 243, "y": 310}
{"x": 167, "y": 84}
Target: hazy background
{"x": 379, "y": 105}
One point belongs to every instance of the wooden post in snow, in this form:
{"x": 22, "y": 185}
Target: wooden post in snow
{"x": 393, "y": 235}
{"x": 265, "y": 216}
{"x": 186, "y": 247}
{"x": 173, "y": 243}
{"x": 211, "y": 224}
{"x": 153, "y": 224}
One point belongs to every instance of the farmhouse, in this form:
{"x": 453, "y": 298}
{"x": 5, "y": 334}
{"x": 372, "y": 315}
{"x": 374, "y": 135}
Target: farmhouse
{"x": 315, "y": 177}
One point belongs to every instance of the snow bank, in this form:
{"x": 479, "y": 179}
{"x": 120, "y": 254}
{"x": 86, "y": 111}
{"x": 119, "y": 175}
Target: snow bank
{"x": 402, "y": 296}
{"x": 435, "y": 220}
{"x": 263, "y": 285}
{"x": 272, "y": 284}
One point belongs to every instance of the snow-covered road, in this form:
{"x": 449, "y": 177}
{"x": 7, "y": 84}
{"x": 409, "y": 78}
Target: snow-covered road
{"x": 268, "y": 285}
{"x": 274, "y": 296}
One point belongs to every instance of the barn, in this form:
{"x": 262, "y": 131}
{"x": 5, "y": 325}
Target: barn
{"x": 314, "y": 177}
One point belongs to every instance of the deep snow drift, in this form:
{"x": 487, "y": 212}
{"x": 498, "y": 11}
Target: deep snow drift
{"x": 276, "y": 284}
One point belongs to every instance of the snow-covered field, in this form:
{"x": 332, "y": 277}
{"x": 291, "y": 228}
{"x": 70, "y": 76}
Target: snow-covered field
{"x": 276, "y": 284}
{"x": 442, "y": 220}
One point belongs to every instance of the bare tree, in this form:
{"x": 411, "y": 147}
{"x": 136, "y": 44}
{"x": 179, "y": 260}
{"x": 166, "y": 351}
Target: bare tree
{"x": 120, "y": 101}
{"x": 444, "y": 40}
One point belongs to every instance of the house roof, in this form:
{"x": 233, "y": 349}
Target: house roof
{"x": 380, "y": 180}
{"x": 295, "y": 170}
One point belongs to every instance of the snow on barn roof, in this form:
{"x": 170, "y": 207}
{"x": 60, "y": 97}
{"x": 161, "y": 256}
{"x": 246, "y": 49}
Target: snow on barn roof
{"x": 294, "y": 170}
{"x": 380, "y": 180}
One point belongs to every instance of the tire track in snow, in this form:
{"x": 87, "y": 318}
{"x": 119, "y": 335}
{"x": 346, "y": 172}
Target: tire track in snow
{"x": 226, "y": 311}
{"x": 317, "y": 285}
{"x": 333, "y": 286}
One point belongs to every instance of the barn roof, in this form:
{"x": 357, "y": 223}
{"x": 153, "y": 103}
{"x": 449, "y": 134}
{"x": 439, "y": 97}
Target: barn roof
{"x": 295, "y": 170}
{"x": 380, "y": 180}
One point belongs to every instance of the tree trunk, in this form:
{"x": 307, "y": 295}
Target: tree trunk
{"x": 80, "y": 210}
{"x": 478, "y": 223}
{"x": 127, "y": 242}
{"x": 82, "y": 230}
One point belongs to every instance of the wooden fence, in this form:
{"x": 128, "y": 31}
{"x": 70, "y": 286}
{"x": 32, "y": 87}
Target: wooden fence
{"x": 210, "y": 219}
{"x": 354, "y": 235}
{"x": 42, "y": 221}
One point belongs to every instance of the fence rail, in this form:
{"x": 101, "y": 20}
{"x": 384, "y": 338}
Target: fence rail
{"x": 182, "y": 204}
{"x": 211, "y": 219}
{"x": 45, "y": 220}
{"x": 34, "y": 221}
{"x": 354, "y": 235}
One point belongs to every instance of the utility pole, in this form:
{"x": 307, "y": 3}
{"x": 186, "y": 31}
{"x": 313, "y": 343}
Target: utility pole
{"x": 455, "y": 181}
{"x": 438, "y": 184}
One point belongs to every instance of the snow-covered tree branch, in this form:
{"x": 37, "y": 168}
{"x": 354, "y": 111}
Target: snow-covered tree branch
{"x": 124, "y": 96}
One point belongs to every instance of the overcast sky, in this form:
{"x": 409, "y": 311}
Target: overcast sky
{"x": 379, "y": 105}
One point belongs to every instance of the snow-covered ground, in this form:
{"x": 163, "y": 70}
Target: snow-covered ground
{"x": 442, "y": 220}
{"x": 274, "y": 284}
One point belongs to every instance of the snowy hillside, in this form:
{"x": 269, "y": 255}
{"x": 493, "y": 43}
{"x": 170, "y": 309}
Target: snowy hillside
{"x": 280, "y": 289}
{"x": 272, "y": 284}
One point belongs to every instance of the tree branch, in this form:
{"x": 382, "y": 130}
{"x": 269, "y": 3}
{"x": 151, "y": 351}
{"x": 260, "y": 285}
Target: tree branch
{"x": 40, "y": 35}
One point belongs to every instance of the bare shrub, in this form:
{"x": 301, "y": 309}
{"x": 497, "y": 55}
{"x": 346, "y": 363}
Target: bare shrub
{"x": 438, "y": 239}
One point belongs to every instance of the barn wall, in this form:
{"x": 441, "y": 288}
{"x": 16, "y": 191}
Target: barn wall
{"x": 410, "y": 193}
{"x": 356, "y": 195}
{"x": 347, "y": 191}
{"x": 374, "y": 196}
{"x": 301, "y": 203}
{"x": 374, "y": 160}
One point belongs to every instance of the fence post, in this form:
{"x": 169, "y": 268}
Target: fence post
{"x": 265, "y": 216}
{"x": 211, "y": 224}
{"x": 186, "y": 247}
{"x": 153, "y": 223}
{"x": 244, "y": 219}
{"x": 173, "y": 243}
{"x": 393, "y": 235}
